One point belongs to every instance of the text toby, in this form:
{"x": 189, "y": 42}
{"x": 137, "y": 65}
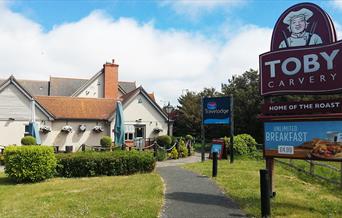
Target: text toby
{"x": 309, "y": 63}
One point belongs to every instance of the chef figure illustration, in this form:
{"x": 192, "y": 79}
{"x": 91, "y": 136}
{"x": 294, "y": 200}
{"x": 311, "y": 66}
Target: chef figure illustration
{"x": 297, "y": 22}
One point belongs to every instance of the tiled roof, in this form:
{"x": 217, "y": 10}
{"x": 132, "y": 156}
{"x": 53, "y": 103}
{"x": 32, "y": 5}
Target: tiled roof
{"x": 65, "y": 86}
{"x": 127, "y": 86}
{"x": 78, "y": 108}
{"x": 62, "y": 86}
{"x": 35, "y": 87}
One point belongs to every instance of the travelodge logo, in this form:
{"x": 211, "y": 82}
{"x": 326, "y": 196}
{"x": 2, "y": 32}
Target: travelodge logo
{"x": 211, "y": 105}
{"x": 305, "y": 56}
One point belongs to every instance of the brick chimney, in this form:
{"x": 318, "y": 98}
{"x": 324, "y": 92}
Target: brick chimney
{"x": 111, "y": 84}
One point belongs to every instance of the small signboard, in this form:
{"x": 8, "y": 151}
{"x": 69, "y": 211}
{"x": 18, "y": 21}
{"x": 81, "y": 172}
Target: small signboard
{"x": 217, "y": 110}
{"x": 304, "y": 140}
{"x": 303, "y": 107}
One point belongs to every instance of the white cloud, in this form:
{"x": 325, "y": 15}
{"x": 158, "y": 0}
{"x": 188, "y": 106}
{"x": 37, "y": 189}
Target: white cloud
{"x": 196, "y": 8}
{"x": 165, "y": 62}
{"x": 337, "y": 3}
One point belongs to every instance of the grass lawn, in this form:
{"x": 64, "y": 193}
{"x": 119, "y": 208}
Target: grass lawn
{"x": 139, "y": 195}
{"x": 297, "y": 195}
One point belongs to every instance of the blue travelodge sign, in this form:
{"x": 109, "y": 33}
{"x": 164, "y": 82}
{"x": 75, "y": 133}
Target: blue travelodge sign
{"x": 216, "y": 110}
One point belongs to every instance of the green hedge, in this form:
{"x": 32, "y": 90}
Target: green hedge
{"x": 82, "y": 164}
{"x": 28, "y": 140}
{"x": 29, "y": 163}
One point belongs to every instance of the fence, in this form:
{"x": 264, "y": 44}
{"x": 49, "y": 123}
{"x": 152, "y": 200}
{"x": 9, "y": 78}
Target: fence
{"x": 311, "y": 169}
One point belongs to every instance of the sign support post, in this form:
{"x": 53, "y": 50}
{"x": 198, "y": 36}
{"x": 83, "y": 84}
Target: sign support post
{"x": 202, "y": 135}
{"x": 270, "y": 169}
{"x": 231, "y": 144}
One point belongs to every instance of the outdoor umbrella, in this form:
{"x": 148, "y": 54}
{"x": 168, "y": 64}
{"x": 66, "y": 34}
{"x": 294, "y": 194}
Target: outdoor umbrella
{"x": 34, "y": 131}
{"x": 119, "y": 128}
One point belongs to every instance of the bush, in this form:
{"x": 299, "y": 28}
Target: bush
{"x": 174, "y": 153}
{"x": 28, "y": 140}
{"x": 161, "y": 154}
{"x": 173, "y": 140}
{"x": 189, "y": 138}
{"x": 164, "y": 141}
{"x": 106, "y": 141}
{"x": 182, "y": 148}
{"x": 198, "y": 147}
{"x": 2, "y": 159}
{"x": 244, "y": 144}
{"x": 81, "y": 164}
{"x": 29, "y": 163}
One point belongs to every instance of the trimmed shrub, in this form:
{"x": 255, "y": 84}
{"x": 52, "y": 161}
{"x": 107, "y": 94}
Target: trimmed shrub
{"x": 164, "y": 141}
{"x": 174, "y": 153}
{"x": 29, "y": 163}
{"x": 82, "y": 164}
{"x": 244, "y": 144}
{"x": 182, "y": 148}
{"x": 189, "y": 137}
{"x": 106, "y": 141}
{"x": 161, "y": 154}
{"x": 28, "y": 140}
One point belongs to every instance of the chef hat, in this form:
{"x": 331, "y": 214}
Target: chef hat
{"x": 306, "y": 13}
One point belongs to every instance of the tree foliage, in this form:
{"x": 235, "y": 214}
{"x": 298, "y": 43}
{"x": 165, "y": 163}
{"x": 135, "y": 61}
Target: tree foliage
{"x": 188, "y": 117}
{"x": 247, "y": 100}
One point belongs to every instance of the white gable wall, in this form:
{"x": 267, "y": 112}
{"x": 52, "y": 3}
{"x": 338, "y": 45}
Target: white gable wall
{"x": 75, "y": 137}
{"x": 150, "y": 117}
{"x": 15, "y": 105}
{"x": 94, "y": 90}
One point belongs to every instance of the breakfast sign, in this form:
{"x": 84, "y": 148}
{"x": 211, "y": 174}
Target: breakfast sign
{"x": 305, "y": 58}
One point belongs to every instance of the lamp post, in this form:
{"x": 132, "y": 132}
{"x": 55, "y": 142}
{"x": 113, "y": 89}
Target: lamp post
{"x": 168, "y": 109}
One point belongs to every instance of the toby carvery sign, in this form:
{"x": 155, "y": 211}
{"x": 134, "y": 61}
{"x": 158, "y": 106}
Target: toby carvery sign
{"x": 216, "y": 110}
{"x": 305, "y": 56}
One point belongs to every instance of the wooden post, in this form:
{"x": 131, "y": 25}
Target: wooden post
{"x": 312, "y": 165}
{"x": 341, "y": 177}
{"x": 270, "y": 169}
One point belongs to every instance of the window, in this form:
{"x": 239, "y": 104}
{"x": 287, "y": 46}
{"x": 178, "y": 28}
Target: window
{"x": 129, "y": 136}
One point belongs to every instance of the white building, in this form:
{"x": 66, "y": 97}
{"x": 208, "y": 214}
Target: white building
{"x": 77, "y": 111}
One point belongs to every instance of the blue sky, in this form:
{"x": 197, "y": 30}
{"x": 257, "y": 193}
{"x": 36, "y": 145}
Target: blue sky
{"x": 49, "y": 13}
{"x": 166, "y": 46}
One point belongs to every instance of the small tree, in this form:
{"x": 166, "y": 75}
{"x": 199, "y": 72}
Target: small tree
{"x": 164, "y": 141}
{"x": 106, "y": 142}
{"x": 28, "y": 140}
{"x": 174, "y": 153}
{"x": 182, "y": 148}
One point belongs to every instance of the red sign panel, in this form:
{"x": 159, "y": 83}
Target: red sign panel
{"x": 302, "y": 25}
{"x": 305, "y": 107}
{"x": 304, "y": 57}
{"x": 306, "y": 70}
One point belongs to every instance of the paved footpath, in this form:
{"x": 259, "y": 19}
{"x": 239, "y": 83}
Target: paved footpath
{"x": 190, "y": 195}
